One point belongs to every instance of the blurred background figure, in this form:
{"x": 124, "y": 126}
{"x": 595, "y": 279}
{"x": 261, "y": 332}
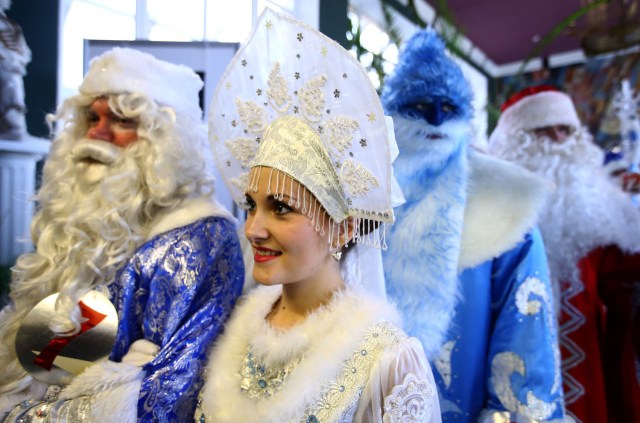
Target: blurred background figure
{"x": 14, "y": 57}
{"x": 592, "y": 234}
{"x": 617, "y": 167}
{"x": 625, "y": 161}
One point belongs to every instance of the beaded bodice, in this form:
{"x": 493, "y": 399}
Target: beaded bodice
{"x": 337, "y": 399}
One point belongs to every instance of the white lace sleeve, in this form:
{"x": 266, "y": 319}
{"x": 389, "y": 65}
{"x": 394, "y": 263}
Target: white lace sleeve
{"x": 401, "y": 388}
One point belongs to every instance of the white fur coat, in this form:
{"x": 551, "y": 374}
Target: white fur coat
{"x": 325, "y": 343}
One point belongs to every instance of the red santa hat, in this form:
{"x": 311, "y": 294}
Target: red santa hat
{"x": 536, "y": 107}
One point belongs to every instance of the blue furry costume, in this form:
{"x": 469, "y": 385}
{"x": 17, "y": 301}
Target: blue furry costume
{"x": 466, "y": 263}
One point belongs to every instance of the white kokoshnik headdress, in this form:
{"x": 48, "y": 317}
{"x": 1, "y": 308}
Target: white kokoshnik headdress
{"x": 295, "y": 101}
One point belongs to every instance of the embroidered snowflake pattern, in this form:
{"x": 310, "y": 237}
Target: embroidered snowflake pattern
{"x": 241, "y": 181}
{"x": 243, "y": 149}
{"x": 278, "y": 91}
{"x": 358, "y": 179}
{"x": 312, "y": 98}
{"x": 252, "y": 115}
{"x": 338, "y": 133}
{"x": 340, "y": 130}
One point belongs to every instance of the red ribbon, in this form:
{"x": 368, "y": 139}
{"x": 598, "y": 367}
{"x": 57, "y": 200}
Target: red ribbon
{"x": 48, "y": 355}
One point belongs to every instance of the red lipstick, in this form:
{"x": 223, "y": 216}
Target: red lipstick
{"x": 263, "y": 255}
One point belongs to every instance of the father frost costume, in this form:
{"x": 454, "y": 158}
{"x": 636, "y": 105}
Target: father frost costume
{"x": 137, "y": 224}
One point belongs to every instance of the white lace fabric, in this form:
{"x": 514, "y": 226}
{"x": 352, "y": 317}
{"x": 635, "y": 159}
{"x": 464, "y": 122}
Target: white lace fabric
{"x": 402, "y": 386}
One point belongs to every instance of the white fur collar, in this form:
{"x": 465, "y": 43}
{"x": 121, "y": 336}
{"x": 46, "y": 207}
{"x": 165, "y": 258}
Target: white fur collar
{"x": 328, "y": 337}
{"x": 187, "y": 212}
{"x": 503, "y": 204}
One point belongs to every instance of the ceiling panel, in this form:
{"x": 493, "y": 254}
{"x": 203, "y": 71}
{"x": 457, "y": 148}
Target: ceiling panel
{"x": 506, "y": 31}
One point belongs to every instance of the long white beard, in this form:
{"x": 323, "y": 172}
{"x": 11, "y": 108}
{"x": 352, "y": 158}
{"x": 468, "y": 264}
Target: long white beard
{"x": 421, "y": 263}
{"x": 426, "y": 148}
{"x": 94, "y": 161}
{"x": 586, "y": 210}
{"x": 90, "y": 221}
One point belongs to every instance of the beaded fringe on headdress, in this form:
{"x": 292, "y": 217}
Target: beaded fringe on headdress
{"x": 366, "y": 231}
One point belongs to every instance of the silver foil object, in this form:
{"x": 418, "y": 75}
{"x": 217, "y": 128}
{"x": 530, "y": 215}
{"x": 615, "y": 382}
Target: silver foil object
{"x": 56, "y": 359}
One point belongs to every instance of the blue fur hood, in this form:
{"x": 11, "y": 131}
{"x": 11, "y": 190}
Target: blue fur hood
{"x": 425, "y": 71}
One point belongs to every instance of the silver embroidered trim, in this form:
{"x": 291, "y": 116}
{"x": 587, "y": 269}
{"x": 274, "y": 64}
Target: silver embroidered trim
{"x": 504, "y": 365}
{"x": 534, "y": 286}
{"x": 339, "y": 398}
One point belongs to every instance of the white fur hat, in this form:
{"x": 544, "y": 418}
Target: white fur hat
{"x": 121, "y": 70}
{"x": 536, "y": 107}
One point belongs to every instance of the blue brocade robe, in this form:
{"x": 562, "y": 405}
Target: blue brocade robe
{"x": 177, "y": 291}
{"x": 501, "y": 349}
{"x": 489, "y": 327}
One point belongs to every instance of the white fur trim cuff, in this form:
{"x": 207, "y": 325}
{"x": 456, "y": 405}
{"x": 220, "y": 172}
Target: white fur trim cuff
{"x": 114, "y": 389}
